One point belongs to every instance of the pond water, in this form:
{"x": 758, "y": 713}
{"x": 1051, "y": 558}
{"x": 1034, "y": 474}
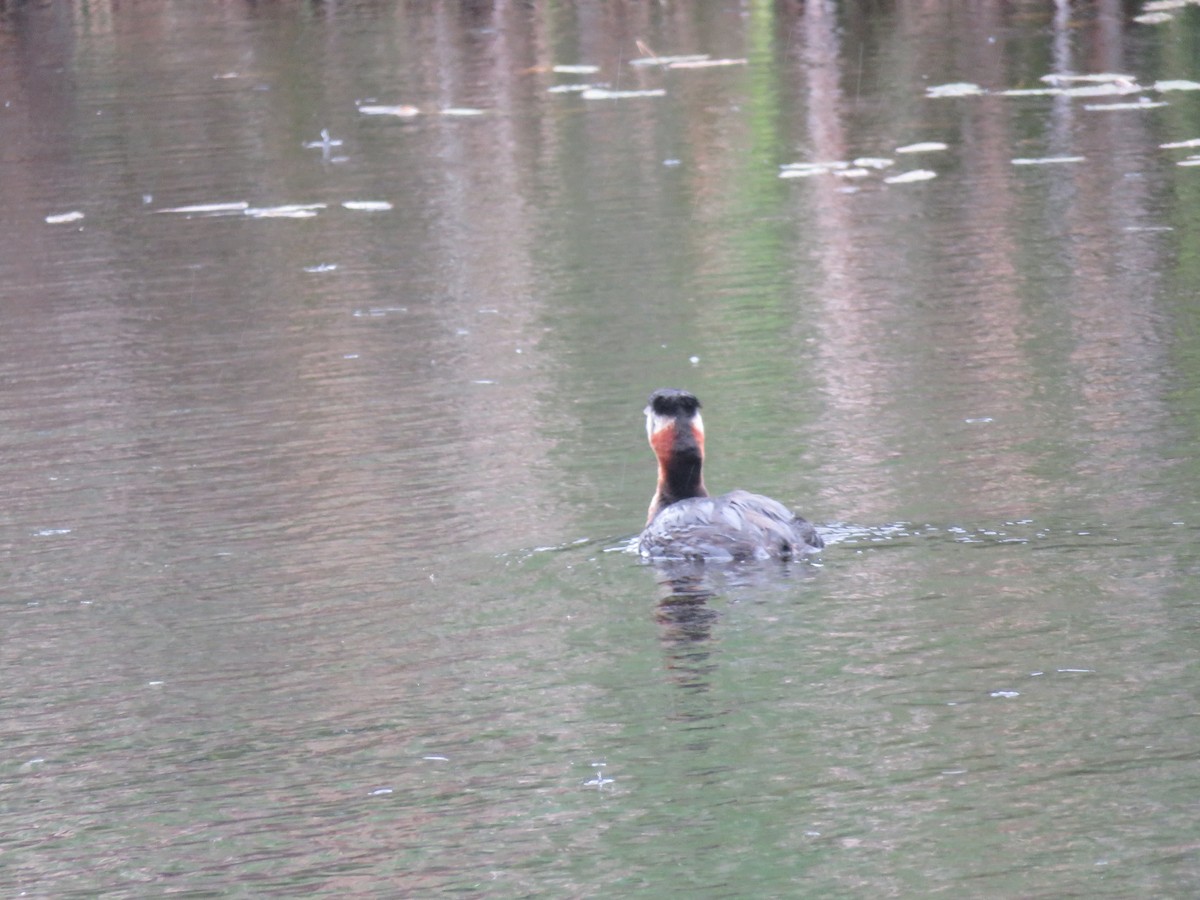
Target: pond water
{"x": 325, "y": 331}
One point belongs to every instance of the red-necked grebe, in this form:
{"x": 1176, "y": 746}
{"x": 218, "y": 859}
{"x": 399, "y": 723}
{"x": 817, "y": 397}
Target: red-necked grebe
{"x": 684, "y": 522}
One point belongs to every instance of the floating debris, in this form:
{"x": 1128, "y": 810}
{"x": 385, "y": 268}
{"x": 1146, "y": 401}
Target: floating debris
{"x": 1106, "y": 89}
{"x": 403, "y": 111}
{"x": 706, "y": 63}
{"x": 63, "y": 218}
{"x": 605, "y": 94}
{"x": 288, "y": 211}
{"x": 376, "y": 312}
{"x": 1142, "y": 103}
{"x": 367, "y": 205}
{"x": 1031, "y": 92}
{"x": 1095, "y": 77}
{"x": 665, "y": 61}
{"x": 208, "y": 208}
{"x": 576, "y": 69}
{"x": 911, "y": 176}
{"x": 954, "y": 89}
{"x": 923, "y": 147}
{"x": 1176, "y": 85}
{"x": 1048, "y": 160}
{"x": 324, "y": 143}
{"x": 807, "y": 170}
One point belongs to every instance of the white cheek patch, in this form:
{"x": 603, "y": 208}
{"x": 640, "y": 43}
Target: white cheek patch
{"x": 656, "y": 423}
{"x": 698, "y": 424}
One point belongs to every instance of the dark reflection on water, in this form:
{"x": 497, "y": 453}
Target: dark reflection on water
{"x": 268, "y": 469}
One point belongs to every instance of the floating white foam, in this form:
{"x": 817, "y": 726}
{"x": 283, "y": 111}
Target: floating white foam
{"x": 1137, "y": 104}
{"x": 954, "y": 89}
{"x": 1096, "y": 77}
{"x": 1047, "y": 160}
{"x": 1031, "y": 92}
{"x": 706, "y": 63}
{"x": 605, "y": 94}
{"x": 62, "y": 218}
{"x": 922, "y": 147}
{"x": 367, "y": 205}
{"x": 1105, "y": 89}
{"x": 874, "y": 162}
{"x": 807, "y": 170}
{"x": 1178, "y": 145}
{"x": 325, "y": 141}
{"x": 668, "y": 60}
{"x": 910, "y": 176}
{"x": 403, "y": 111}
{"x": 574, "y": 88}
{"x": 287, "y": 211}
{"x": 208, "y": 208}
{"x": 1176, "y": 85}
{"x": 461, "y": 111}
{"x": 576, "y": 69}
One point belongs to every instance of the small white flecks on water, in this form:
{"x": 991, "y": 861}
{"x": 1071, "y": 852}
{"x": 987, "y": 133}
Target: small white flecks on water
{"x": 1143, "y": 103}
{"x": 377, "y": 312}
{"x": 381, "y": 792}
{"x": 287, "y": 211}
{"x": 954, "y": 89}
{"x": 809, "y": 169}
{"x": 874, "y": 162}
{"x": 599, "y": 781}
{"x": 1180, "y": 145}
{"x": 576, "y": 69}
{"x": 1176, "y": 85}
{"x": 462, "y": 111}
{"x": 706, "y": 63}
{"x": 669, "y": 60}
{"x": 367, "y": 205}
{"x": 604, "y": 94}
{"x": 574, "y": 88}
{"x": 1005, "y": 694}
{"x": 64, "y": 218}
{"x": 238, "y": 206}
{"x": 324, "y": 143}
{"x": 911, "y": 176}
{"x": 402, "y": 110}
{"x": 922, "y": 147}
{"x": 1047, "y": 160}
{"x": 321, "y": 267}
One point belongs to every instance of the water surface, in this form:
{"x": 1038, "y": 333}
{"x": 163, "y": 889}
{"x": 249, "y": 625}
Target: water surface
{"x": 321, "y": 454}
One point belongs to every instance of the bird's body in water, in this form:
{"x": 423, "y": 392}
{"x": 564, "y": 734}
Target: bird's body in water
{"x": 684, "y": 522}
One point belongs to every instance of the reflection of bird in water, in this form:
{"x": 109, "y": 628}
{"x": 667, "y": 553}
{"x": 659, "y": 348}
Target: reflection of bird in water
{"x": 684, "y": 522}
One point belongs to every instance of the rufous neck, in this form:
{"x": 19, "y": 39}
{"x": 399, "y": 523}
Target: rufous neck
{"x": 680, "y": 451}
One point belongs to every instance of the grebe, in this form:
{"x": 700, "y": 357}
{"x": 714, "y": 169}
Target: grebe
{"x": 684, "y": 522}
